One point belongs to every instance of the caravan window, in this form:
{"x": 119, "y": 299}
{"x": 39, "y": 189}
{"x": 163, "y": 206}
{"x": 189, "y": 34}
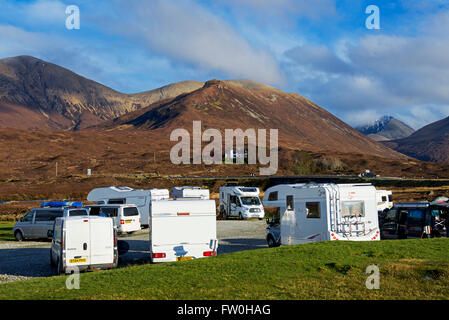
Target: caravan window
{"x": 273, "y": 196}
{"x": 290, "y": 204}
{"x": 117, "y": 201}
{"x": 353, "y": 209}
{"x": 313, "y": 210}
{"x": 384, "y": 198}
{"x": 390, "y": 197}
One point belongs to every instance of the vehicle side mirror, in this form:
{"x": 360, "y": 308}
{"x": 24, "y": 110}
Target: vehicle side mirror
{"x": 50, "y": 233}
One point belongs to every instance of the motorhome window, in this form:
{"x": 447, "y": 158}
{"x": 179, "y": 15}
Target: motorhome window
{"x": 273, "y": 196}
{"x": 248, "y": 201}
{"x": 77, "y": 213}
{"x": 110, "y": 212}
{"x": 233, "y": 199}
{"x": 384, "y": 198}
{"x": 353, "y": 209}
{"x": 117, "y": 201}
{"x": 28, "y": 217}
{"x": 390, "y": 198}
{"x": 289, "y": 201}
{"x": 313, "y": 210}
{"x": 129, "y": 212}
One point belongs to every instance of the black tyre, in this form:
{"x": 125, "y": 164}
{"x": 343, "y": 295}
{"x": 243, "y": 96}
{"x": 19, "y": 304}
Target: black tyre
{"x": 60, "y": 268}
{"x": 18, "y": 235}
{"x": 52, "y": 263}
{"x": 240, "y": 216}
{"x": 270, "y": 241}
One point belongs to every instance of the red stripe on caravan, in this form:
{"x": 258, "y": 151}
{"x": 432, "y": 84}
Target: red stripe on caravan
{"x": 183, "y": 213}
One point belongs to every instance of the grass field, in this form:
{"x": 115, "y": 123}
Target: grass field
{"x": 6, "y": 231}
{"x": 409, "y": 269}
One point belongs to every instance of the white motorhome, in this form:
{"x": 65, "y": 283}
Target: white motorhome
{"x": 182, "y": 230}
{"x": 190, "y": 192}
{"x": 83, "y": 243}
{"x": 384, "y": 200}
{"x": 125, "y": 195}
{"x": 319, "y": 212}
{"x": 242, "y": 202}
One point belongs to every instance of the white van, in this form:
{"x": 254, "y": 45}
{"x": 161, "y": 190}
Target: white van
{"x": 126, "y": 216}
{"x": 83, "y": 242}
{"x": 242, "y": 202}
{"x": 182, "y": 230}
{"x": 327, "y": 211}
{"x": 125, "y": 195}
{"x": 190, "y": 192}
{"x": 384, "y": 200}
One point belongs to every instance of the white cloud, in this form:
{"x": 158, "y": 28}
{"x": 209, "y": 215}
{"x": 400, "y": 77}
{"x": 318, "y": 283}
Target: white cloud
{"x": 185, "y": 31}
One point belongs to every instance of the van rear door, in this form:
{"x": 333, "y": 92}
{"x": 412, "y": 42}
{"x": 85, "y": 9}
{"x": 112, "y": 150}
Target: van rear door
{"x": 77, "y": 242}
{"x": 102, "y": 241}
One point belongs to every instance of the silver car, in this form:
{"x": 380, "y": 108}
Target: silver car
{"x": 36, "y": 223}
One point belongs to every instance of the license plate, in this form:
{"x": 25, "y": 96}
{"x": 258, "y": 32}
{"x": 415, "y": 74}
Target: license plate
{"x": 128, "y": 221}
{"x": 183, "y": 258}
{"x": 77, "y": 260}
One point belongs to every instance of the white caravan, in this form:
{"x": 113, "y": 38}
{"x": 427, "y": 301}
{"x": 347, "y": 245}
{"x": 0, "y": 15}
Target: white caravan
{"x": 242, "y": 202}
{"x": 384, "y": 200}
{"x": 190, "y": 192}
{"x": 126, "y": 216}
{"x": 319, "y": 212}
{"x": 83, "y": 243}
{"x": 125, "y": 195}
{"x": 182, "y": 230}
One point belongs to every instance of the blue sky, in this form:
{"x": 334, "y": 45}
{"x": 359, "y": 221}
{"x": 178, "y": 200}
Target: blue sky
{"x": 320, "y": 49}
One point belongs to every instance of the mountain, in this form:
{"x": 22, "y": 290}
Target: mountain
{"x": 430, "y": 143}
{"x": 225, "y": 104}
{"x": 386, "y": 128}
{"x": 35, "y": 94}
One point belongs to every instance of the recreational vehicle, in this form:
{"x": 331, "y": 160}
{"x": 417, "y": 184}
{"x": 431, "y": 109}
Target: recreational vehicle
{"x": 242, "y": 202}
{"x": 182, "y": 230}
{"x": 319, "y": 212}
{"x": 80, "y": 243}
{"x": 125, "y": 195}
{"x": 126, "y": 216}
{"x": 384, "y": 200}
{"x": 190, "y": 192}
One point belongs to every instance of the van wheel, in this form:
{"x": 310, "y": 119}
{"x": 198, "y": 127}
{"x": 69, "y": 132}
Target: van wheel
{"x": 241, "y": 216}
{"x": 18, "y": 235}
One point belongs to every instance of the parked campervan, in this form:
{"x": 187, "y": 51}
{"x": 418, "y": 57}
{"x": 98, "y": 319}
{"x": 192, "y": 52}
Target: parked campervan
{"x": 242, "y": 202}
{"x": 189, "y": 192}
{"x": 36, "y": 223}
{"x": 318, "y": 212}
{"x": 384, "y": 200}
{"x": 125, "y": 195}
{"x": 83, "y": 243}
{"x": 182, "y": 230}
{"x": 126, "y": 216}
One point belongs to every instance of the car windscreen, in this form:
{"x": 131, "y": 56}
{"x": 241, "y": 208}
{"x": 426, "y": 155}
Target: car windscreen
{"x": 129, "y": 212}
{"x": 248, "y": 201}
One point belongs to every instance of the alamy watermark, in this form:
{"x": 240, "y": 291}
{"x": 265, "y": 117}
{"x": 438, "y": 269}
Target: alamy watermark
{"x": 373, "y": 280}
{"x": 257, "y": 151}
{"x": 73, "y": 19}
{"x": 373, "y": 20}
{"x": 73, "y": 280}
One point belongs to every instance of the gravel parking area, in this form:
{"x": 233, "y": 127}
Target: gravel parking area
{"x": 29, "y": 259}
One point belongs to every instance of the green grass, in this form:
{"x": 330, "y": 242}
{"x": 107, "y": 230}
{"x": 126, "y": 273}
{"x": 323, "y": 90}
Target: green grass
{"x": 410, "y": 269}
{"x": 6, "y": 231}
